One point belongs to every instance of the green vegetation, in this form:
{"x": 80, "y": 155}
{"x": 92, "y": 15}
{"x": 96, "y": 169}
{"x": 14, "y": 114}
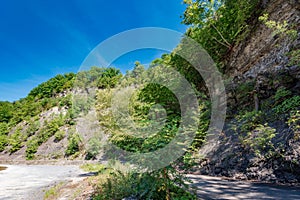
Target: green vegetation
{"x": 260, "y": 139}
{"x": 294, "y": 57}
{"x": 281, "y": 95}
{"x": 59, "y": 135}
{"x": 254, "y": 132}
{"x": 219, "y": 25}
{"x": 117, "y": 185}
{"x": 98, "y": 77}
{"x": 54, "y": 86}
{"x": 48, "y": 130}
{"x": 53, "y": 191}
{"x": 294, "y": 123}
{"x": 16, "y": 141}
{"x": 3, "y": 142}
{"x": 3, "y": 136}
{"x": 287, "y": 105}
{"x": 93, "y": 167}
{"x": 278, "y": 28}
{"x": 6, "y": 111}
{"x": 32, "y": 147}
{"x": 74, "y": 145}
{"x": 93, "y": 148}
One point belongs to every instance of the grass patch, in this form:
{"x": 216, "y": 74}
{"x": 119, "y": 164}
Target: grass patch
{"x": 53, "y": 191}
{"x": 90, "y": 167}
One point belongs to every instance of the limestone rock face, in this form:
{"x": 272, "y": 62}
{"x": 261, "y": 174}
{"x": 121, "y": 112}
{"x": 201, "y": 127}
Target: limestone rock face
{"x": 263, "y": 50}
{"x": 256, "y": 69}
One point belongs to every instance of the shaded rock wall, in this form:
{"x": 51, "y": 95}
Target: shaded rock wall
{"x": 256, "y": 69}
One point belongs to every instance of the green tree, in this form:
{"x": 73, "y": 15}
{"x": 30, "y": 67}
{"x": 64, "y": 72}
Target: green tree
{"x": 6, "y": 111}
{"x": 109, "y": 78}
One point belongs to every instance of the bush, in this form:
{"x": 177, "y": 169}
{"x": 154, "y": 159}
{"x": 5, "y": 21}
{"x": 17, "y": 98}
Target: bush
{"x": 73, "y": 145}
{"x": 294, "y": 123}
{"x": 16, "y": 141}
{"x": 3, "y": 129}
{"x": 288, "y": 105}
{"x": 3, "y": 142}
{"x": 281, "y": 94}
{"x": 249, "y": 121}
{"x": 118, "y": 185}
{"x": 32, "y": 147}
{"x": 59, "y": 135}
{"x": 50, "y": 128}
{"x": 33, "y": 128}
{"x": 93, "y": 148}
{"x": 294, "y": 57}
{"x": 260, "y": 139}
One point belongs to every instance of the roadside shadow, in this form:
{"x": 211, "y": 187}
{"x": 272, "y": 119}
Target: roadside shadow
{"x": 215, "y": 188}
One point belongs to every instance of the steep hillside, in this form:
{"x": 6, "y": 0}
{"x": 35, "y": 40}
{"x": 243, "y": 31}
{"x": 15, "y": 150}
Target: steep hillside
{"x": 255, "y": 44}
{"x": 261, "y": 135}
{"x": 54, "y": 122}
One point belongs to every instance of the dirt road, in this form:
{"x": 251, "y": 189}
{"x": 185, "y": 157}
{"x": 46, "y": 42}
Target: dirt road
{"x": 28, "y": 181}
{"x": 217, "y": 188}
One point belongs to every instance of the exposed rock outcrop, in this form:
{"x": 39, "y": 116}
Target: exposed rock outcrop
{"x": 257, "y": 68}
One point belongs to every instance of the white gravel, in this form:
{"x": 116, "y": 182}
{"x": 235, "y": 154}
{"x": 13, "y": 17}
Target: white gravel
{"x": 28, "y": 181}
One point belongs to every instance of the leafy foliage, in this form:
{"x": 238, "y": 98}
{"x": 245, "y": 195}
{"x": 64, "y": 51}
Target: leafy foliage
{"x": 16, "y": 141}
{"x": 6, "y": 111}
{"x": 74, "y": 144}
{"x": 294, "y": 56}
{"x": 48, "y": 129}
{"x": 260, "y": 139}
{"x": 59, "y": 135}
{"x": 3, "y": 136}
{"x": 278, "y": 28}
{"x": 287, "y": 105}
{"x": 98, "y": 77}
{"x": 93, "y": 148}
{"x": 118, "y": 185}
{"x": 219, "y": 25}
{"x": 109, "y": 78}
{"x": 54, "y": 86}
{"x": 294, "y": 123}
{"x": 281, "y": 94}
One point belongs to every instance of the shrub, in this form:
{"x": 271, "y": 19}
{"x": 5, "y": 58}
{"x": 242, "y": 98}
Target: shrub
{"x": 281, "y": 94}
{"x": 3, "y": 142}
{"x": 260, "y": 139}
{"x": 93, "y": 148}
{"x": 294, "y": 123}
{"x": 33, "y": 128}
{"x": 53, "y": 191}
{"x": 16, "y": 141}
{"x": 118, "y": 185}
{"x": 73, "y": 145}
{"x": 59, "y": 135}
{"x": 294, "y": 57}
{"x": 50, "y": 128}
{"x": 278, "y": 28}
{"x": 288, "y": 105}
{"x": 249, "y": 120}
{"x": 32, "y": 147}
{"x": 3, "y": 128}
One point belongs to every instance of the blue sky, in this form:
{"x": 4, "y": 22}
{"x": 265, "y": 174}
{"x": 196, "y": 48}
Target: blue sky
{"x": 39, "y": 39}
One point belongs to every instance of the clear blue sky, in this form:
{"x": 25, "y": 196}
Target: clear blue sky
{"x": 41, "y": 38}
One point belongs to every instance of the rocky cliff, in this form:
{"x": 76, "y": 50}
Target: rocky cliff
{"x": 260, "y": 140}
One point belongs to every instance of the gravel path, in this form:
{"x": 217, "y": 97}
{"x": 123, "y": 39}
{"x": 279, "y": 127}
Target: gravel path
{"x": 28, "y": 181}
{"x": 217, "y": 188}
